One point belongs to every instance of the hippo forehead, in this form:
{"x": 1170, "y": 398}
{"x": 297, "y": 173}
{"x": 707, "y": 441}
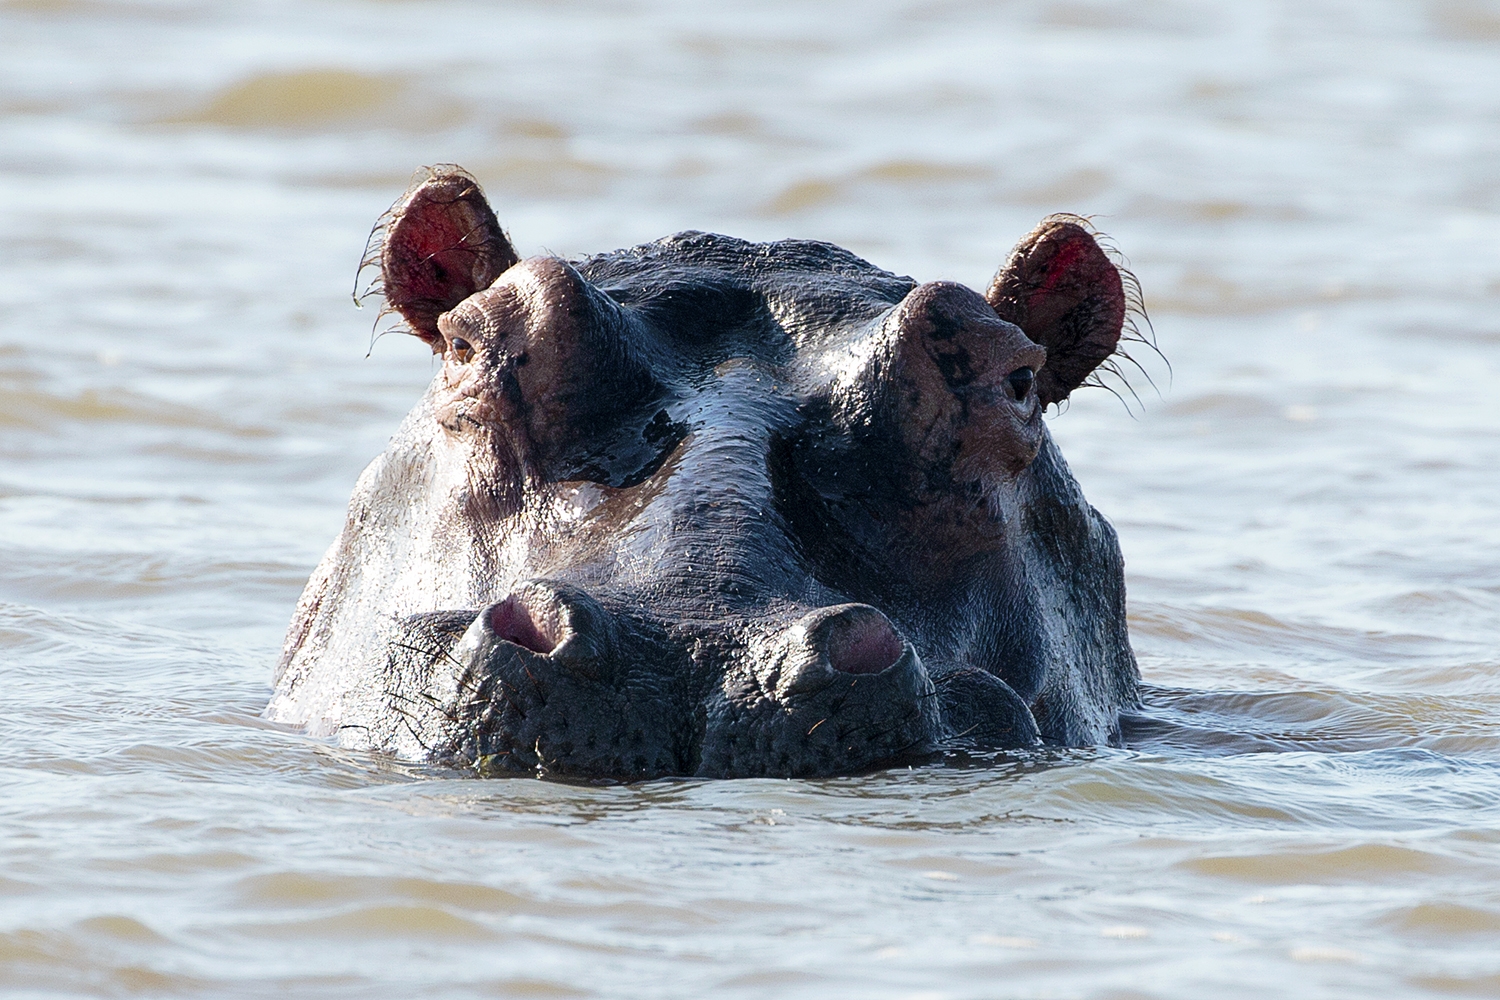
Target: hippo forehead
{"x": 681, "y": 395}
{"x": 706, "y": 506}
{"x": 763, "y": 300}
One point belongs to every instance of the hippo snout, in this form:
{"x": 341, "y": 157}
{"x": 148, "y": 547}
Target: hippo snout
{"x": 557, "y": 683}
{"x": 553, "y": 683}
{"x": 836, "y": 691}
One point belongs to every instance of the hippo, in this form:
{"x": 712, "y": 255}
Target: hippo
{"x": 712, "y": 508}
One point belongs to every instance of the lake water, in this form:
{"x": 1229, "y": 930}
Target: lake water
{"x": 1309, "y": 191}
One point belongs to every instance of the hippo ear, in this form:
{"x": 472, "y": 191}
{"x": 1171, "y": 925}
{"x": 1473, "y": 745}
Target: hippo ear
{"x": 1061, "y": 288}
{"x": 441, "y": 244}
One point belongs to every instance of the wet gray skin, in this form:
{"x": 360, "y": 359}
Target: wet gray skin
{"x": 717, "y": 508}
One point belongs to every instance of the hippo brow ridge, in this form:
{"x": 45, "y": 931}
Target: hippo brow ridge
{"x": 717, "y": 508}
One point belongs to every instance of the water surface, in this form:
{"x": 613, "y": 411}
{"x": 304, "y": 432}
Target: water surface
{"x": 1310, "y": 194}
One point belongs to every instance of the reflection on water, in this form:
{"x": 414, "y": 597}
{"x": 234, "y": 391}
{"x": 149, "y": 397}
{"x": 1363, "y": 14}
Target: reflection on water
{"x": 1308, "y": 191}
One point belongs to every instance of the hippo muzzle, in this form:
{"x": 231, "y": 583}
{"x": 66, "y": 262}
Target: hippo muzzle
{"x": 708, "y": 507}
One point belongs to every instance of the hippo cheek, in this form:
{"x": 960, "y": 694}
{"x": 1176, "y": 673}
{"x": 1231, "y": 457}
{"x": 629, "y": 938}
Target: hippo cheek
{"x": 839, "y": 692}
{"x": 549, "y": 690}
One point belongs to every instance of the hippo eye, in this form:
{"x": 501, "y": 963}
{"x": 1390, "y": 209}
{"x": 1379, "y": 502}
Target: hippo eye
{"x": 1020, "y": 382}
{"x": 462, "y": 349}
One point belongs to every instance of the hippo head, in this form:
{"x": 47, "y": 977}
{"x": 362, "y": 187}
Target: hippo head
{"x": 710, "y": 507}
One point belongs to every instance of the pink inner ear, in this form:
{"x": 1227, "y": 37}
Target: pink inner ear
{"x": 430, "y": 260}
{"x": 429, "y": 243}
{"x": 1058, "y": 269}
{"x": 443, "y": 245}
{"x": 512, "y": 621}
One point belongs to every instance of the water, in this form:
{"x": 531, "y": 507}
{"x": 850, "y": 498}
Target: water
{"x": 1309, "y": 192}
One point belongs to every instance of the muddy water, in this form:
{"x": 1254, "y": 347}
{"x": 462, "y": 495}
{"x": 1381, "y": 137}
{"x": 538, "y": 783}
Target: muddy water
{"x": 1309, "y": 192}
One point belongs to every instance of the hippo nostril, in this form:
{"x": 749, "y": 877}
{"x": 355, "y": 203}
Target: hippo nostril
{"x": 867, "y": 646}
{"x": 513, "y": 621}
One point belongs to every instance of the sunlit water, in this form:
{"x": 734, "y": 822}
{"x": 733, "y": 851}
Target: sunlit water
{"x": 1310, "y": 194}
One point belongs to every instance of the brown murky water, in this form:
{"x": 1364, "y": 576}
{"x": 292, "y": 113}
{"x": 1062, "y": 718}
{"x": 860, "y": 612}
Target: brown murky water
{"x": 1310, "y": 194}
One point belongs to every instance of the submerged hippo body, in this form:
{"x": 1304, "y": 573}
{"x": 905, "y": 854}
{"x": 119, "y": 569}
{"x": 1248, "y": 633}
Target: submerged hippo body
{"x": 718, "y": 508}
